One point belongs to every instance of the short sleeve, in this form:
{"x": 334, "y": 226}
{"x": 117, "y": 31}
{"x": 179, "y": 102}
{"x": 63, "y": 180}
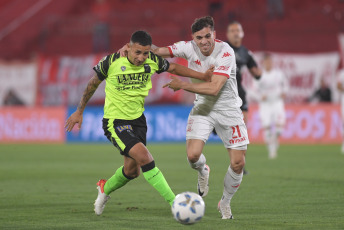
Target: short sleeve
{"x": 179, "y": 49}
{"x": 225, "y": 62}
{"x": 163, "y": 64}
{"x": 251, "y": 62}
{"x": 102, "y": 67}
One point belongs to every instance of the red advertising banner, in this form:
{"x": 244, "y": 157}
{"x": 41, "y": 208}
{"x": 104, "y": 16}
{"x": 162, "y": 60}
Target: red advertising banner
{"x": 19, "y": 124}
{"x": 306, "y": 124}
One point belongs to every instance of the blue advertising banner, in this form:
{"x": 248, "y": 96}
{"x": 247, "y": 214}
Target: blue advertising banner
{"x": 165, "y": 124}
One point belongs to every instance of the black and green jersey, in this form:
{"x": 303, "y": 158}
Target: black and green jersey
{"x": 127, "y": 85}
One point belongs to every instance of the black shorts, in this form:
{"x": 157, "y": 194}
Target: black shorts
{"x": 242, "y": 95}
{"x": 124, "y": 134}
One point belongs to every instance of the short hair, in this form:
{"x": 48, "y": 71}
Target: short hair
{"x": 267, "y": 55}
{"x": 141, "y": 37}
{"x": 201, "y": 23}
{"x": 233, "y": 23}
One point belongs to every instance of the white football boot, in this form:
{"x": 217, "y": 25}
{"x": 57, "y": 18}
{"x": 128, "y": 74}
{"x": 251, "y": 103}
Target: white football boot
{"x": 225, "y": 210}
{"x": 203, "y": 182}
{"x": 102, "y": 198}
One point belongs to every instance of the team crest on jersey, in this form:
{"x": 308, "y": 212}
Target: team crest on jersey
{"x": 227, "y": 54}
{"x": 123, "y": 68}
{"x": 198, "y": 62}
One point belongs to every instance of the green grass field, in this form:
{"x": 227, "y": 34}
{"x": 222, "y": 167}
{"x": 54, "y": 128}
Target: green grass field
{"x": 54, "y": 187}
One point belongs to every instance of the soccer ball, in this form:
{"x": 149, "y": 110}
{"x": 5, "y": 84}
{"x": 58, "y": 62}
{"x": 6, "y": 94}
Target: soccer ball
{"x": 188, "y": 208}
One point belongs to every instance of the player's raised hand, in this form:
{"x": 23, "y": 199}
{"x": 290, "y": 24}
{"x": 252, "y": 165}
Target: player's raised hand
{"x": 124, "y": 50}
{"x": 174, "y": 84}
{"x": 209, "y": 73}
{"x": 75, "y": 118}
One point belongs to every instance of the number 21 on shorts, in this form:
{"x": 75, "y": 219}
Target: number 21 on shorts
{"x": 236, "y": 132}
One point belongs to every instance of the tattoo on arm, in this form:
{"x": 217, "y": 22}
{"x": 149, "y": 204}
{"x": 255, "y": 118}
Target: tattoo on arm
{"x": 88, "y": 93}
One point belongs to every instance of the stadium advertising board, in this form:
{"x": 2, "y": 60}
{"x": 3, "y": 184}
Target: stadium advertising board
{"x": 18, "y": 83}
{"x": 305, "y": 125}
{"x": 43, "y": 125}
{"x": 165, "y": 124}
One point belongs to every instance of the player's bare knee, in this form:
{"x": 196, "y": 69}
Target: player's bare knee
{"x": 193, "y": 156}
{"x": 131, "y": 172}
{"x": 238, "y": 166}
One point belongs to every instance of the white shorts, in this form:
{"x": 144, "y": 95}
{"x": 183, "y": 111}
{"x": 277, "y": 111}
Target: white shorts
{"x": 272, "y": 114}
{"x": 229, "y": 126}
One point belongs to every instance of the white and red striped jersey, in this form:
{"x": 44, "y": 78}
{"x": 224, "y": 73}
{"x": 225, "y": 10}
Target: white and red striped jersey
{"x": 223, "y": 58}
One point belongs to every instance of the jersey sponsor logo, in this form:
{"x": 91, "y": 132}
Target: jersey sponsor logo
{"x": 227, "y": 54}
{"x": 123, "y": 68}
{"x": 237, "y": 140}
{"x": 198, "y": 62}
{"x": 124, "y": 127}
{"x": 224, "y": 68}
{"x": 132, "y": 81}
{"x": 129, "y": 79}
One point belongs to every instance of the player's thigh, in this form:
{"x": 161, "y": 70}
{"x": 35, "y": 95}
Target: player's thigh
{"x": 280, "y": 115}
{"x": 200, "y": 126}
{"x": 265, "y": 115}
{"x": 231, "y": 128}
{"x": 122, "y": 134}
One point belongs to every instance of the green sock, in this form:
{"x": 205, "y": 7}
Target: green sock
{"x": 117, "y": 181}
{"x": 158, "y": 181}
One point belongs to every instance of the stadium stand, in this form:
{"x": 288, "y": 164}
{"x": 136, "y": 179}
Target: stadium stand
{"x": 68, "y": 29}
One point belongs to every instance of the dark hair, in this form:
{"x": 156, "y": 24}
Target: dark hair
{"x": 141, "y": 37}
{"x": 267, "y": 55}
{"x": 200, "y": 23}
{"x": 233, "y": 23}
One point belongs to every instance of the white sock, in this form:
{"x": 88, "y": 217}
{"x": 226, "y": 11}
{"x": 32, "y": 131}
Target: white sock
{"x": 199, "y": 165}
{"x": 231, "y": 184}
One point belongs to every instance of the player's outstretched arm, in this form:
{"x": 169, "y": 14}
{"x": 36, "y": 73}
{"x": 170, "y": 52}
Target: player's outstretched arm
{"x": 187, "y": 72}
{"x": 207, "y": 88}
{"x": 161, "y": 51}
{"x": 76, "y": 117}
{"x": 256, "y": 72}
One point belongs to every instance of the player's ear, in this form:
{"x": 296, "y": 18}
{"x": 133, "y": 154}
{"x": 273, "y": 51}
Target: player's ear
{"x": 241, "y": 34}
{"x": 214, "y": 32}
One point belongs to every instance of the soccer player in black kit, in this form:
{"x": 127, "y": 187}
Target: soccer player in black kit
{"x": 243, "y": 57}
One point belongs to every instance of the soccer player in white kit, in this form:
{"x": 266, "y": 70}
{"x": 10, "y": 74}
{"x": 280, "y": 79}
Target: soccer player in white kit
{"x": 271, "y": 90}
{"x": 340, "y": 86}
{"x": 217, "y": 105}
